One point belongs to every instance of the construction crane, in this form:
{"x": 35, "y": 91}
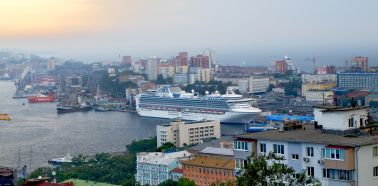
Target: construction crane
{"x": 314, "y": 60}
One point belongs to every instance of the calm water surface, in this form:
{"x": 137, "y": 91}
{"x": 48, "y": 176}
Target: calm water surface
{"x": 41, "y": 134}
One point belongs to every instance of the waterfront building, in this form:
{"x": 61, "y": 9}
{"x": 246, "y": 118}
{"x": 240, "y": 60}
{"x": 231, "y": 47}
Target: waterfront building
{"x": 316, "y": 86}
{"x": 180, "y": 79}
{"x": 361, "y": 63}
{"x": 154, "y": 168}
{"x": 339, "y": 149}
{"x": 180, "y": 133}
{"x": 319, "y": 95}
{"x": 318, "y": 78}
{"x": 205, "y": 170}
{"x": 358, "y": 80}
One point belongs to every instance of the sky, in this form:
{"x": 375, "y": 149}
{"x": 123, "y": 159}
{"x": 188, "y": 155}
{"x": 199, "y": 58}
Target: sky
{"x": 245, "y": 32}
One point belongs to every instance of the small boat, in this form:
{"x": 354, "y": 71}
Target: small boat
{"x": 5, "y": 117}
{"x": 58, "y": 161}
{"x": 101, "y": 109}
{"x": 259, "y": 127}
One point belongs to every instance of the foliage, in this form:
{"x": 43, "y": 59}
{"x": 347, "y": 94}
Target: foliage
{"x": 268, "y": 170}
{"x": 145, "y": 145}
{"x": 119, "y": 170}
{"x": 211, "y": 86}
{"x": 224, "y": 183}
{"x": 180, "y": 182}
{"x": 293, "y": 87}
{"x": 160, "y": 80}
{"x": 41, "y": 171}
{"x": 114, "y": 87}
{"x": 166, "y": 146}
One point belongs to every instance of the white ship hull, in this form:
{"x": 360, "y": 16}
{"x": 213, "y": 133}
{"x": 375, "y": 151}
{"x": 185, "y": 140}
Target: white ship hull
{"x": 228, "y": 117}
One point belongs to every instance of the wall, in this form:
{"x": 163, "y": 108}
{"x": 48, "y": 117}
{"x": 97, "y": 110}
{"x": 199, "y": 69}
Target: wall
{"x": 365, "y": 164}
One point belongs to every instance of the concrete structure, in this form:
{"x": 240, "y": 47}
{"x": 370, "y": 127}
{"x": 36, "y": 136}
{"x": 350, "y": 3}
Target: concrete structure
{"x": 319, "y": 96}
{"x": 337, "y": 150}
{"x": 204, "y": 75}
{"x": 126, "y": 61}
{"x": 258, "y": 85}
{"x": 281, "y": 67}
{"x": 211, "y": 54}
{"x": 181, "y": 79}
{"x": 318, "y": 78}
{"x": 361, "y": 63}
{"x": 358, "y": 80}
{"x": 51, "y": 64}
{"x": 316, "y": 86}
{"x": 200, "y": 61}
{"x": 155, "y": 167}
{"x": 207, "y": 170}
{"x": 167, "y": 71}
{"x": 193, "y": 77}
{"x": 152, "y": 68}
{"x": 325, "y": 70}
{"x": 180, "y": 133}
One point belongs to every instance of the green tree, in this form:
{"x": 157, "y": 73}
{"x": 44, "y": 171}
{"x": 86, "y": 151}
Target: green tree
{"x": 41, "y": 171}
{"x": 166, "y": 146}
{"x": 145, "y": 145}
{"x": 186, "y": 182}
{"x": 169, "y": 183}
{"x": 261, "y": 173}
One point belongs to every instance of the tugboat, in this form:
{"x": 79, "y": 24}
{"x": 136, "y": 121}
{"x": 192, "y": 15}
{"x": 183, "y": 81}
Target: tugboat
{"x": 68, "y": 109}
{"x": 59, "y": 161}
{"x": 41, "y": 99}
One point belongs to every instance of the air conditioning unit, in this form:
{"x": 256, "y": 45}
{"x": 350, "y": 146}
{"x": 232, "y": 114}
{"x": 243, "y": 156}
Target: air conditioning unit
{"x": 306, "y": 159}
{"x": 321, "y": 162}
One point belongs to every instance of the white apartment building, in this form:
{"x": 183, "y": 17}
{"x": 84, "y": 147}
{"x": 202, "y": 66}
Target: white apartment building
{"x": 258, "y": 85}
{"x": 167, "y": 71}
{"x": 155, "y": 167}
{"x": 180, "y": 133}
{"x": 338, "y": 150}
{"x": 318, "y": 78}
{"x": 152, "y": 68}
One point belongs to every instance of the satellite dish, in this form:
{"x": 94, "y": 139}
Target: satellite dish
{"x": 53, "y": 173}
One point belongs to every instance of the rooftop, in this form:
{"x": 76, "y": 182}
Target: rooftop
{"x": 177, "y": 170}
{"x": 217, "y": 151}
{"x": 312, "y": 135}
{"x": 332, "y": 108}
{"x": 211, "y": 163}
{"x": 161, "y": 158}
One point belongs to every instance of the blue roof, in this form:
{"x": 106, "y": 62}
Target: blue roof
{"x": 281, "y": 117}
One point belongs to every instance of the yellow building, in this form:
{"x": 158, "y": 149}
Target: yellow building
{"x": 316, "y": 86}
{"x": 204, "y": 75}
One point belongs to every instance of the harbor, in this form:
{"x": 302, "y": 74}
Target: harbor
{"x": 42, "y": 134}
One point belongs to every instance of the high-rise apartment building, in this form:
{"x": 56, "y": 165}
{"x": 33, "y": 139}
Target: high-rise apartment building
{"x": 361, "y": 63}
{"x": 281, "y": 67}
{"x": 211, "y": 54}
{"x": 152, "y": 68}
{"x": 126, "y": 61}
{"x": 200, "y": 61}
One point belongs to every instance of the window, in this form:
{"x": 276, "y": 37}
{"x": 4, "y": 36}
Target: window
{"x": 375, "y": 171}
{"x": 336, "y": 174}
{"x": 278, "y": 149}
{"x": 294, "y": 156}
{"x": 375, "y": 151}
{"x": 310, "y": 151}
{"x": 310, "y": 171}
{"x": 240, "y": 145}
{"x": 263, "y": 148}
{"x": 351, "y": 122}
{"x": 333, "y": 154}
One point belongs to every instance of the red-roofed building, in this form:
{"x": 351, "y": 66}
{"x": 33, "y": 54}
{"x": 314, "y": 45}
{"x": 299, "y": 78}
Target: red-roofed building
{"x": 44, "y": 182}
{"x": 176, "y": 174}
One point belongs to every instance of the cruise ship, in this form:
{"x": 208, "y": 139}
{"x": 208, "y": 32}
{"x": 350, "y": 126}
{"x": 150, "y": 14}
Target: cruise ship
{"x": 171, "y": 102}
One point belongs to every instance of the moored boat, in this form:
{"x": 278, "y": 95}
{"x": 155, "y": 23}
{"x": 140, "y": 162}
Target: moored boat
{"x": 41, "y": 99}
